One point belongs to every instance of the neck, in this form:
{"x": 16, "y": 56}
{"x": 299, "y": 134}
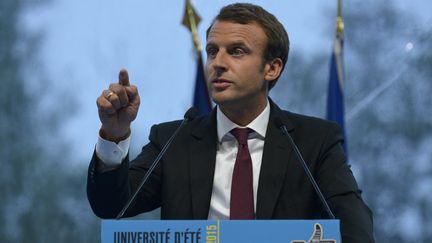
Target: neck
{"x": 242, "y": 115}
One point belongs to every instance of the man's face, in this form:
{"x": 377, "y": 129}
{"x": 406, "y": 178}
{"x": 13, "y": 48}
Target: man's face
{"x": 236, "y": 72}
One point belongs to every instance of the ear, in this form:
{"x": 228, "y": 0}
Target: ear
{"x": 272, "y": 69}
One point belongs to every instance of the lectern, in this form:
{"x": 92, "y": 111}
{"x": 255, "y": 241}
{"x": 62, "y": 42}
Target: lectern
{"x": 223, "y": 231}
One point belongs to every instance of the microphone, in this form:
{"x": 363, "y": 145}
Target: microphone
{"x": 189, "y": 116}
{"x": 284, "y": 130}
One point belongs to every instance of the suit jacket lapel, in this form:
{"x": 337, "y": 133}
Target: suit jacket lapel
{"x": 276, "y": 156}
{"x": 202, "y": 164}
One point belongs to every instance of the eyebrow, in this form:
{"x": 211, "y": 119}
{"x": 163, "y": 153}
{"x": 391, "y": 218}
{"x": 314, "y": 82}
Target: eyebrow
{"x": 237, "y": 43}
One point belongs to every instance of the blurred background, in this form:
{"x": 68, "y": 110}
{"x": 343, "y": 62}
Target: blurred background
{"x": 56, "y": 57}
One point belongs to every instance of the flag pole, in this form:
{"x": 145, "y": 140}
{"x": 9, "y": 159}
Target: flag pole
{"x": 339, "y": 20}
{"x": 201, "y": 99}
{"x": 339, "y": 43}
{"x": 191, "y": 21}
{"x": 335, "y": 97}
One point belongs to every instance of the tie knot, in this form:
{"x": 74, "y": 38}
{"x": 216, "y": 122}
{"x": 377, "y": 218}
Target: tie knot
{"x": 241, "y": 134}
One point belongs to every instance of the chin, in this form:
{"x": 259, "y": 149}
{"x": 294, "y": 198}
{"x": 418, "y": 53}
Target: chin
{"x": 220, "y": 99}
{"x": 224, "y": 100}
{"x": 217, "y": 99}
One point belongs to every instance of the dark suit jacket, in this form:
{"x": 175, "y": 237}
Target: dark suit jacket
{"x": 182, "y": 183}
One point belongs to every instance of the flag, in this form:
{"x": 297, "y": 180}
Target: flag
{"x": 335, "y": 98}
{"x": 201, "y": 99}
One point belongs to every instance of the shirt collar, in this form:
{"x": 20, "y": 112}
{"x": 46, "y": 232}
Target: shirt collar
{"x": 258, "y": 125}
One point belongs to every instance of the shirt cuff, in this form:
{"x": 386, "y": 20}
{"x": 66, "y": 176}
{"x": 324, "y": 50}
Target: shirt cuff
{"x": 111, "y": 153}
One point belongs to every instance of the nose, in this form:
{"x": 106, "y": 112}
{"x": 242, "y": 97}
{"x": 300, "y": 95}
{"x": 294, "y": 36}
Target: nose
{"x": 218, "y": 63}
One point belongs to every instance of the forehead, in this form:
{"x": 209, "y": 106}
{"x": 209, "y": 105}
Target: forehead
{"x": 223, "y": 32}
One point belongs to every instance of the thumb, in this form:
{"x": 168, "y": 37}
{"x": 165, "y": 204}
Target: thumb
{"x": 124, "y": 77}
{"x": 317, "y": 234}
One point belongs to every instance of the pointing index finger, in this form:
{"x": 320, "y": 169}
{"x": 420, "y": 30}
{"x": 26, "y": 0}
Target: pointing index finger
{"x": 124, "y": 77}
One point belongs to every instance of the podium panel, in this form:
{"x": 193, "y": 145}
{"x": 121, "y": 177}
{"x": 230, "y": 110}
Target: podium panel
{"x": 215, "y": 231}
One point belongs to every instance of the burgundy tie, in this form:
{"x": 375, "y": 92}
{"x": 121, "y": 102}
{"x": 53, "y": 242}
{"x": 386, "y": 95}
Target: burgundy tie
{"x": 242, "y": 199}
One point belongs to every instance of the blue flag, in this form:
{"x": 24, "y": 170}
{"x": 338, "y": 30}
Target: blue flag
{"x": 201, "y": 99}
{"x": 335, "y": 98}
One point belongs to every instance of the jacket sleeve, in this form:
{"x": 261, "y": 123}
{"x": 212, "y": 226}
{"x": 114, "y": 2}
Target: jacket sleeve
{"x": 341, "y": 190}
{"x": 109, "y": 190}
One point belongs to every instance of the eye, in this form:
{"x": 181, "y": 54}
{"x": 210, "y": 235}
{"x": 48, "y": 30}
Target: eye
{"x": 211, "y": 51}
{"x": 238, "y": 51}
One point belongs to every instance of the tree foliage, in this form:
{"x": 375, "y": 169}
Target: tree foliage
{"x": 389, "y": 136}
{"x": 387, "y": 91}
{"x": 42, "y": 196}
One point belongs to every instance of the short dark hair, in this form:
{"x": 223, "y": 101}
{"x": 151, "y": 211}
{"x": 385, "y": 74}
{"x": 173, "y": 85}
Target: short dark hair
{"x": 246, "y": 13}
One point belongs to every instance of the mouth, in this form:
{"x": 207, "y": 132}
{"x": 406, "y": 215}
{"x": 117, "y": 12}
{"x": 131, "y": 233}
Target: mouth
{"x": 220, "y": 83}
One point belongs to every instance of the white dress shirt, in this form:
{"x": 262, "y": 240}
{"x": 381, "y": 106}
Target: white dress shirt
{"x": 112, "y": 155}
{"x": 225, "y": 159}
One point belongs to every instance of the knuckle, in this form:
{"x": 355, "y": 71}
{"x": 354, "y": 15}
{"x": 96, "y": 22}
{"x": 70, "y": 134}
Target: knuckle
{"x": 112, "y": 85}
{"x": 99, "y": 100}
{"x": 113, "y": 98}
{"x": 106, "y": 108}
{"x": 134, "y": 89}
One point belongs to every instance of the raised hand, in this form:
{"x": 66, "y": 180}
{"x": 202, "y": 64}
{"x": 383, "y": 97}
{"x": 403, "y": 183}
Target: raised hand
{"x": 118, "y": 107}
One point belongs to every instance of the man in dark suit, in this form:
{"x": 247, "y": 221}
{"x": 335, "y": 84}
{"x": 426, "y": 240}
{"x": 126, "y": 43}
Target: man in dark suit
{"x": 198, "y": 178}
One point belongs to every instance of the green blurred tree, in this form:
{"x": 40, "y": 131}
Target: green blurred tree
{"x": 390, "y": 130}
{"x": 388, "y": 83}
{"x": 42, "y": 197}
